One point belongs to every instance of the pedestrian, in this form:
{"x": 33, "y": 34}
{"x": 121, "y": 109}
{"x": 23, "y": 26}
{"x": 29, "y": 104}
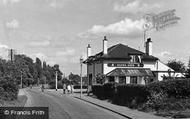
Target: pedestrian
{"x": 64, "y": 88}
{"x": 72, "y": 88}
{"x": 69, "y": 88}
{"x": 42, "y": 88}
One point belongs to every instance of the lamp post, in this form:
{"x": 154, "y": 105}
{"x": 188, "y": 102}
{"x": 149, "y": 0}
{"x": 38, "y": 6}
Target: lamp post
{"x": 81, "y": 60}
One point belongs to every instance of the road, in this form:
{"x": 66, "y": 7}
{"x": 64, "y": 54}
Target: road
{"x": 66, "y": 106}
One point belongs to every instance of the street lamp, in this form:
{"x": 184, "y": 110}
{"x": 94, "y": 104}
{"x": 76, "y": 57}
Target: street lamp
{"x": 81, "y": 61}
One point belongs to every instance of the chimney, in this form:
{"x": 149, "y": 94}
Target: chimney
{"x": 88, "y": 50}
{"x": 149, "y": 46}
{"x": 105, "y": 46}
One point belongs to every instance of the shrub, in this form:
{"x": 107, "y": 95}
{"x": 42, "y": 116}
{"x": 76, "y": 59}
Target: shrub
{"x": 131, "y": 95}
{"x": 98, "y": 91}
{"x": 52, "y": 85}
{"x": 8, "y": 89}
{"x": 78, "y": 87}
{"x": 178, "y": 88}
{"x": 109, "y": 90}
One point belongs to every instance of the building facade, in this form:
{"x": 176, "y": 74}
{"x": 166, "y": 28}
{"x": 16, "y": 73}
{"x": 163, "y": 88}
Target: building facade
{"x": 125, "y": 65}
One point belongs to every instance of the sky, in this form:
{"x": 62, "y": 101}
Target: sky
{"x": 58, "y": 31}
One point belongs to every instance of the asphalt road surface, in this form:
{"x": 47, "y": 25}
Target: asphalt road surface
{"x": 66, "y": 107}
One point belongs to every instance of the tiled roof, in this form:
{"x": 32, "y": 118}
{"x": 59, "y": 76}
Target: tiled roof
{"x": 119, "y": 52}
{"x": 130, "y": 72}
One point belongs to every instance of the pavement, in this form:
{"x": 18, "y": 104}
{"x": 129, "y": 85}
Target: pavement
{"x": 120, "y": 110}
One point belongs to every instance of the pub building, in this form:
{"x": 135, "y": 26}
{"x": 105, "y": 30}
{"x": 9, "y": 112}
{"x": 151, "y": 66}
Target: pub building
{"x": 123, "y": 64}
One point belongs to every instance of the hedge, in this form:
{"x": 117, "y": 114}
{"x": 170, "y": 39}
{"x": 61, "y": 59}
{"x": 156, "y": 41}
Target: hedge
{"x": 178, "y": 88}
{"x": 133, "y": 95}
{"x": 8, "y": 89}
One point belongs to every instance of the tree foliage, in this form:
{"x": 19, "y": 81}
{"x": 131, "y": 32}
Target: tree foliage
{"x": 25, "y": 68}
{"x": 177, "y": 66}
{"x": 188, "y": 70}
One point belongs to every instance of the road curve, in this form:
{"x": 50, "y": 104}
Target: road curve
{"x": 66, "y": 107}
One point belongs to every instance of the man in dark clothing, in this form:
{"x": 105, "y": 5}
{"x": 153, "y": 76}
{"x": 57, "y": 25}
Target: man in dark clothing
{"x": 64, "y": 88}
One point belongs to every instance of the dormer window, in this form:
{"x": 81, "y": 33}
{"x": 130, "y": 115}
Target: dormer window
{"x": 135, "y": 58}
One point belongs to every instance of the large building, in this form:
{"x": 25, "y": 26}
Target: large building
{"x": 123, "y": 64}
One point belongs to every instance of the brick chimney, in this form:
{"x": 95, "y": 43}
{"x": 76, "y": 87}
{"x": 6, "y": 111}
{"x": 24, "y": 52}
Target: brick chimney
{"x": 105, "y": 46}
{"x": 149, "y": 46}
{"x": 88, "y": 50}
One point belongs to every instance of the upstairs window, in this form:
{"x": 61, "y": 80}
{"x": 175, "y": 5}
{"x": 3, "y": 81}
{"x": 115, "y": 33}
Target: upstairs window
{"x": 135, "y": 58}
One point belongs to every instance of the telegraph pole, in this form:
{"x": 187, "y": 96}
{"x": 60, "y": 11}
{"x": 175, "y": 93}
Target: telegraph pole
{"x": 21, "y": 79}
{"x": 81, "y": 60}
{"x": 56, "y": 80}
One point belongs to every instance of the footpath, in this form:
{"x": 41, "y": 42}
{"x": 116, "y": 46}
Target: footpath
{"x": 121, "y": 110}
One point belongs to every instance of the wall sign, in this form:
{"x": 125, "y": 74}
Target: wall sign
{"x": 125, "y": 65}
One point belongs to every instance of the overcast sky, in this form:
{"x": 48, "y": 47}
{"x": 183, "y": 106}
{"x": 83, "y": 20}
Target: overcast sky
{"x": 58, "y": 31}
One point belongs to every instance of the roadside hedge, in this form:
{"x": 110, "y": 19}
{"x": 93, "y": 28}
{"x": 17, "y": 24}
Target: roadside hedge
{"x": 153, "y": 94}
{"x": 8, "y": 89}
{"x": 131, "y": 95}
{"x": 178, "y": 88}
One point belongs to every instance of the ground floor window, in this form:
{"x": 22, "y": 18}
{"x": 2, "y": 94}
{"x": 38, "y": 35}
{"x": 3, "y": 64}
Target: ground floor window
{"x": 122, "y": 80}
{"x": 133, "y": 79}
{"x": 111, "y": 79}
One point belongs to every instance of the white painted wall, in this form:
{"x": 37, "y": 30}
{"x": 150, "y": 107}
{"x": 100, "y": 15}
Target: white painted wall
{"x": 127, "y": 80}
{"x": 150, "y": 64}
{"x": 162, "y": 67}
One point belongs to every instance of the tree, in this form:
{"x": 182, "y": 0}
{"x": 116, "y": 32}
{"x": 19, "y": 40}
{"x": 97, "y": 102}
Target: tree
{"x": 100, "y": 78}
{"x": 177, "y": 66}
{"x": 188, "y": 70}
{"x": 74, "y": 78}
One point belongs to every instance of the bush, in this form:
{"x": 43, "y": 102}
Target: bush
{"x": 52, "y": 85}
{"x": 8, "y": 89}
{"x": 105, "y": 91}
{"x": 98, "y": 91}
{"x": 78, "y": 87}
{"x": 178, "y": 88}
{"x": 131, "y": 95}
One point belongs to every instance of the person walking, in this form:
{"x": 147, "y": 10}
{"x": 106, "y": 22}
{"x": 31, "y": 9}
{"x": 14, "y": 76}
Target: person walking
{"x": 69, "y": 88}
{"x": 72, "y": 88}
{"x": 64, "y": 88}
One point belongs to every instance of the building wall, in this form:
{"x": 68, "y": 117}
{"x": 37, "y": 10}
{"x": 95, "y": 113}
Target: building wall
{"x": 150, "y": 64}
{"x": 159, "y": 69}
{"x": 162, "y": 67}
{"x": 98, "y": 68}
{"x": 107, "y": 69}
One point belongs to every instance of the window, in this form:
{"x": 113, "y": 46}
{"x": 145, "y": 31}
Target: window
{"x": 111, "y": 79}
{"x": 122, "y": 80}
{"x": 133, "y": 79}
{"x": 135, "y": 58}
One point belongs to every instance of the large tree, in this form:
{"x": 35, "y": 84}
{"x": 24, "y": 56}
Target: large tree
{"x": 188, "y": 70}
{"x": 177, "y": 66}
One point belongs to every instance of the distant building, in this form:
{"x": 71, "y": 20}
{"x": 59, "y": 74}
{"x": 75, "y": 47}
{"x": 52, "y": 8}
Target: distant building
{"x": 123, "y": 64}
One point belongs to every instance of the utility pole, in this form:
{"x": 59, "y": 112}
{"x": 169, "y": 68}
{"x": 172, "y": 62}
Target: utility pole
{"x": 56, "y": 80}
{"x": 81, "y": 61}
{"x": 21, "y": 79}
